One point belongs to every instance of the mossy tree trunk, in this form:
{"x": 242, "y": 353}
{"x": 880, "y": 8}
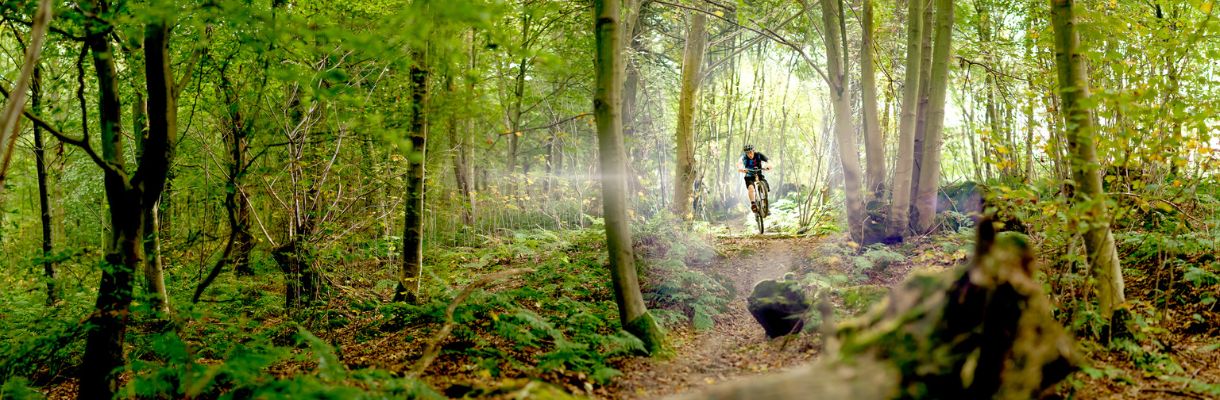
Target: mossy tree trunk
{"x": 412, "y": 235}
{"x": 874, "y": 146}
{"x": 1087, "y": 193}
{"x": 633, "y": 315}
{"x": 849, "y": 156}
{"x": 684, "y": 171}
{"x": 929, "y": 173}
{"x": 900, "y": 200}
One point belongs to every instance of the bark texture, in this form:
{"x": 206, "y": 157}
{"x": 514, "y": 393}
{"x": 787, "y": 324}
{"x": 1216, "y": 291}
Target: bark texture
{"x": 900, "y": 204}
{"x": 692, "y": 62}
{"x": 849, "y": 156}
{"x": 412, "y": 235}
{"x": 1086, "y": 170}
{"x": 929, "y": 172}
{"x": 129, "y": 197}
{"x": 874, "y": 147}
{"x": 633, "y": 315}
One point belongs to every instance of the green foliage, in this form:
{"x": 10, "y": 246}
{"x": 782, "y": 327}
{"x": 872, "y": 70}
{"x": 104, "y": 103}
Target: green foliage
{"x": 40, "y": 350}
{"x": 1149, "y": 360}
{"x": 672, "y": 280}
{"x": 18, "y": 388}
{"x": 876, "y": 257}
{"x": 171, "y": 370}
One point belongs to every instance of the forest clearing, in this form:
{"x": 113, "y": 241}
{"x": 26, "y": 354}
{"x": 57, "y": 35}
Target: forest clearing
{"x": 609, "y": 199}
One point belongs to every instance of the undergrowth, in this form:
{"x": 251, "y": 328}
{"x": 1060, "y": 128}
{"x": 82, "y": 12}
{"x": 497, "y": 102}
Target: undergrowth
{"x": 558, "y": 323}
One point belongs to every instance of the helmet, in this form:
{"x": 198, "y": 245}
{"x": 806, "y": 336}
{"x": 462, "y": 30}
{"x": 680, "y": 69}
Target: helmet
{"x": 748, "y": 147}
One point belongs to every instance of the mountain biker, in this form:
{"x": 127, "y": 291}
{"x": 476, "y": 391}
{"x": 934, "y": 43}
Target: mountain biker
{"x": 752, "y": 163}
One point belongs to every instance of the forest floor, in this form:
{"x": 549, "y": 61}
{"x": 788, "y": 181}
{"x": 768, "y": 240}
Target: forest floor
{"x": 736, "y": 346}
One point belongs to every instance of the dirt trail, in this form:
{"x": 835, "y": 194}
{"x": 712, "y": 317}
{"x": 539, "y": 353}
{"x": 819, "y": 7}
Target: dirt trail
{"x": 736, "y": 346}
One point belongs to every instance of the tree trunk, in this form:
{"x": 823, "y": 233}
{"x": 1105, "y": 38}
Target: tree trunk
{"x": 128, "y": 198}
{"x": 1086, "y": 170}
{"x": 104, "y": 343}
{"x": 302, "y": 282}
{"x": 692, "y": 62}
{"x": 631, "y": 84}
{"x": 11, "y": 114}
{"x": 900, "y": 205}
{"x": 921, "y": 113}
{"x": 462, "y": 164}
{"x": 929, "y": 173}
{"x": 235, "y": 197}
{"x": 874, "y": 147}
{"x": 514, "y": 136}
{"x": 994, "y": 124}
{"x": 412, "y": 235}
{"x": 633, "y": 315}
{"x": 1029, "y": 134}
{"x": 844, "y": 137}
{"x": 44, "y": 198}
{"x": 154, "y": 268}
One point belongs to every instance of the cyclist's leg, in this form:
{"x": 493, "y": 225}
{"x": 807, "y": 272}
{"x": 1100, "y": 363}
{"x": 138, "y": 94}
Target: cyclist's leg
{"x": 750, "y": 188}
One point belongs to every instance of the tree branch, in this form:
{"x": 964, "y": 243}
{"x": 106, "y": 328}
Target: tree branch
{"x": 83, "y": 142}
{"x": 766, "y": 32}
{"x": 553, "y": 124}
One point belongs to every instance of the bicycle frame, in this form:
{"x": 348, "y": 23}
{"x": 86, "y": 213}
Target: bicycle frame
{"x": 760, "y": 188}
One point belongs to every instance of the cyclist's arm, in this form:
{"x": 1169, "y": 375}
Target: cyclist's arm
{"x": 740, "y": 167}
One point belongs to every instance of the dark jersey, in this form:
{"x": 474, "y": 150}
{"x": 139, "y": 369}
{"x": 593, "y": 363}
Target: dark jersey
{"x": 753, "y": 163}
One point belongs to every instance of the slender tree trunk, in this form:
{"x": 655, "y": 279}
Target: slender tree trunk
{"x": 462, "y": 163}
{"x": 240, "y": 242}
{"x": 1086, "y": 170}
{"x": 840, "y": 102}
{"x": 874, "y": 147}
{"x": 11, "y": 115}
{"x": 235, "y": 198}
{"x": 921, "y": 114}
{"x": 631, "y": 85}
{"x": 633, "y": 315}
{"x": 900, "y": 205}
{"x": 692, "y": 62}
{"x": 153, "y": 268}
{"x": 514, "y": 137}
{"x": 412, "y": 236}
{"x": 994, "y": 123}
{"x": 1029, "y": 134}
{"x": 44, "y": 199}
{"x": 929, "y": 173}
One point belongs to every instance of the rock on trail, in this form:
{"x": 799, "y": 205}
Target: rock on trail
{"x": 736, "y": 346}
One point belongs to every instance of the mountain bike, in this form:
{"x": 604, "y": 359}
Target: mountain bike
{"x": 760, "y": 199}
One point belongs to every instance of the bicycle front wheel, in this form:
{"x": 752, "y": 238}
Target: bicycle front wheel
{"x": 759, "y": 217}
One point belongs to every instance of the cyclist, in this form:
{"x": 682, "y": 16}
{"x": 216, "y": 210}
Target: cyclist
{"x": 752, "y": 163}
